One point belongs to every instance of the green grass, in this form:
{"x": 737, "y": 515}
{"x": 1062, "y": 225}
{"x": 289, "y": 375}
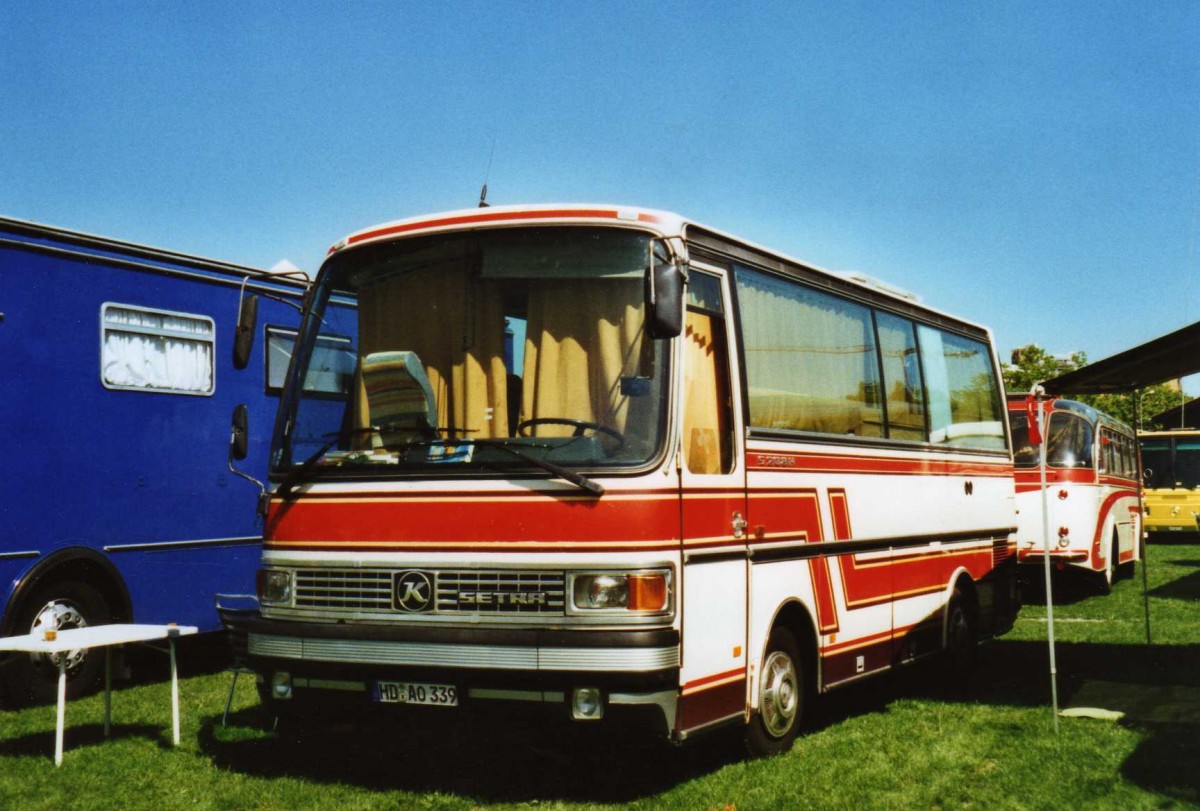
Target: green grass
{"x": 902, "y": 741}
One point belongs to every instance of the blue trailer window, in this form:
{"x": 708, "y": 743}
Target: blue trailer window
{"x": 156, "y": 350}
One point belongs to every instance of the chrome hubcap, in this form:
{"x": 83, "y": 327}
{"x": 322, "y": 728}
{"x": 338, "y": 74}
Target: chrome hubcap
{"x": 780, "y": 699}
{"x": 58, "y": 615}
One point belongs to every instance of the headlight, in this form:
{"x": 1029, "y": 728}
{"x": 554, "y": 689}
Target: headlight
{"x": 274, "y": 586}
{"x": 635, "y": 591}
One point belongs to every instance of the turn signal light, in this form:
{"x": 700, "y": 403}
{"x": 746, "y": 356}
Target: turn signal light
{"x": 647, "y": 592}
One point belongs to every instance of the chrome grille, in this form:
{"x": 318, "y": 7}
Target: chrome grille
{"x": 458, "y": 591}
{"x": 349, "y": 590}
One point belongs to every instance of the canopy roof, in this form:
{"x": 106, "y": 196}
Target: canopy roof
{"x": 1166, "y": 358}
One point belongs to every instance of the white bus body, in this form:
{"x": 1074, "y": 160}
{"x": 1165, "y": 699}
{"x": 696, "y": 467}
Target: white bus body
{"x": 705, "y": 499}
{"x": 1092, "y": 489}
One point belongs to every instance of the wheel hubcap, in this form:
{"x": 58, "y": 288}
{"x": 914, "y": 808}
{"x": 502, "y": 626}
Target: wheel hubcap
{"x": 780, "y": 694}
{"x": 58, "y": 615}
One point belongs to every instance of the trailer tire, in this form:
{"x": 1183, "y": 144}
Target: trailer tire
{"x": 781, "y": 698}
{"x": 59, "y": 605}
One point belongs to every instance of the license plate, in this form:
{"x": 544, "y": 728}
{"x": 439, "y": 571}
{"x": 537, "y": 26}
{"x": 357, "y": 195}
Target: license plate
{"x": 402, "y": 692}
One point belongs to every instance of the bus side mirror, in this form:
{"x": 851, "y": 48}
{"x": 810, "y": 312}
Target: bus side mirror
{"x": 243, "y": 338}
{"x": 664, "y": 296}
{"x": 239, "y": 433}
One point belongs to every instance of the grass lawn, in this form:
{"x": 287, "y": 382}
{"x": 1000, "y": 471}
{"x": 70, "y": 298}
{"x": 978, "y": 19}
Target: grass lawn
{"x": 902, "y": 741}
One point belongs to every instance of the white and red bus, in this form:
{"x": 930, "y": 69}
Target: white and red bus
{"x": 1093, "y": 498}
{"x": 611, "y": 460}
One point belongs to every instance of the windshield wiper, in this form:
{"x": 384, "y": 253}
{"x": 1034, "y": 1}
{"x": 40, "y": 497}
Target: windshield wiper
{"x": 298, "y": 474}
{"x": 575, "y": 478}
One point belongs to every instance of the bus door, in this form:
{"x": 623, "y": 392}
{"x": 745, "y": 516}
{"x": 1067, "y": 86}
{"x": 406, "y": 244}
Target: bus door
{"x": 713, "y": 513}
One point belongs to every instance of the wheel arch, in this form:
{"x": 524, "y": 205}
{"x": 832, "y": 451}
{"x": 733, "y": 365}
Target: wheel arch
{"x": 795, "y": 616}
{"x": 72, "y": 564}
{"x": 965, "y": 585}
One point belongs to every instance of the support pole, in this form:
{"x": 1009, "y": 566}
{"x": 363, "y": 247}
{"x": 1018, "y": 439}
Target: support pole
{"x": 62, "y": 707}
{"x": 107, "y": 688}
{"x": 1044, "y": 421}
{"x": 1141, "y": 539}
{"x": 174, "y": 693}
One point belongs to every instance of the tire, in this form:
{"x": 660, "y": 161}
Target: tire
{"x": 962, "y": 637}
{"x": 782, "y": 697}
{"x": 1109, "y": 575}
{"x": 33, "y": 678}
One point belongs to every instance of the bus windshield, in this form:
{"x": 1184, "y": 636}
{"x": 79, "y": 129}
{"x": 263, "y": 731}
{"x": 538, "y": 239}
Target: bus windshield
{"x": 1171, "y": 462}
{"x": 1069, "y": 444}
{"x": 518, "y": 350}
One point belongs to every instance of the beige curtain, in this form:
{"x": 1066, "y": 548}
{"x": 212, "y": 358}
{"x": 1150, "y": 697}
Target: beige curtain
{"x": 702, "y": 412}
{"x": 456, "y": 327}
{"x": 581, "y": 338}
{"x": 810, "y": 361}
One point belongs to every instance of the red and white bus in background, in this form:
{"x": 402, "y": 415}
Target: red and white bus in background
{"x": 611, "y": 460}
{"x": 1093, "y": 493}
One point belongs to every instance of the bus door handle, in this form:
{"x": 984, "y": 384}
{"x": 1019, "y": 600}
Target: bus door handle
{"x": 739, "y": 524}
{"x": 969, "y": 488}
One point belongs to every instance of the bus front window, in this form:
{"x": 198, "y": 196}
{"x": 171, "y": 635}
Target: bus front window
{"x": 491, "y": 352}
{"x": 1069, "y": 442}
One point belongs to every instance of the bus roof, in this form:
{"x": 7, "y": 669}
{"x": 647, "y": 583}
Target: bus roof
{"x": 661, "y": 223}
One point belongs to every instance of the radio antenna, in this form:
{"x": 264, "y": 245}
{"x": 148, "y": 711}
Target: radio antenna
{"x": 483, "y": 203}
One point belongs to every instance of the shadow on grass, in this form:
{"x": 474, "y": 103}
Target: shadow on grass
{"x": 1016, "y": 673}
{"x": 497, "y": 757}
{"x": 84, "y": 735}
{"x": 1183, "y": 588}
{"x": 523, "y": 756}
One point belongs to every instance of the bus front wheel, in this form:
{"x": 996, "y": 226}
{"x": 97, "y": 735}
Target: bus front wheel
{"x": 781, "y": 697}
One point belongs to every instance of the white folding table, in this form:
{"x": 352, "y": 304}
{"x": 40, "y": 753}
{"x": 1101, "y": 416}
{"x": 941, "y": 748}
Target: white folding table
{"x": 99, "y": 636}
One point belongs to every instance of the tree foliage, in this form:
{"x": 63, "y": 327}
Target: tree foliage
{"x": 1032, "y": 365}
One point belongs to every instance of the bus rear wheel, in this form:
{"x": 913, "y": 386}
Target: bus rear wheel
{"x": 962, "y": 640}
{"x": 33, "y": 678}
{"x": 781, "y": 697}
{"x": 1109, "y": 576}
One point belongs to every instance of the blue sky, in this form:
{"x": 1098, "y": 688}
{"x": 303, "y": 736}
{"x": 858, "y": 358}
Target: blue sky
{"x": 1031, "y": 166}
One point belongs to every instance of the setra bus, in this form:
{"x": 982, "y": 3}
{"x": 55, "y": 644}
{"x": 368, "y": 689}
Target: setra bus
{"x": 1171, "y": 474}
{"x": 1093, "y": 496}
{"x": 610, "y": 460}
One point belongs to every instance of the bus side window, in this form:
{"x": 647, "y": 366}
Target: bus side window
{"x": 902, "y": 389}
{"x": 707, "y": 421}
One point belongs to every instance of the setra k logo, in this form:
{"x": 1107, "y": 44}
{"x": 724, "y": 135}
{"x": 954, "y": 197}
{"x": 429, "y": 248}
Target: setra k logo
{"x": 412, "y": 591}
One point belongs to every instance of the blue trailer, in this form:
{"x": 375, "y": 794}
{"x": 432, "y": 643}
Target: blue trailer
{"x": 118, "y": 379}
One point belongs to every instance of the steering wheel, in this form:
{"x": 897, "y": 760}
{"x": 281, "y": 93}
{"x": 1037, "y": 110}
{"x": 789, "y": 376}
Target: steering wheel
{"x": 579, "y": 425}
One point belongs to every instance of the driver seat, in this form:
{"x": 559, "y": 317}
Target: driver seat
{"x": 399, "y": 398}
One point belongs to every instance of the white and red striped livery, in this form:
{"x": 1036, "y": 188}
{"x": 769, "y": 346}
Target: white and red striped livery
{"x": 649, "y": 466}
{"x": 1093, "y": 495}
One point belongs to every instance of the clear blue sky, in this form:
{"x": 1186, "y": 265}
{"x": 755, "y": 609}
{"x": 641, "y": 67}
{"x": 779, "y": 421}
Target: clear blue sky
{"x": 1031, "y": 166}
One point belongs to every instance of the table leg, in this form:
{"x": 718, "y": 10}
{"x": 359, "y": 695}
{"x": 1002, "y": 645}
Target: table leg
{"x": 62, "y": 701}
{"x": 107, "y": 688}
{"x": 174, "y": 693}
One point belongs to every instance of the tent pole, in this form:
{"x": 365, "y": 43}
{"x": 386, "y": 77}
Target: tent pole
{"x": 1140, "y": 540}
{"x": 1043, "y": 419}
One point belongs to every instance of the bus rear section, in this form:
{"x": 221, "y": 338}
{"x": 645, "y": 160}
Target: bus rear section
{"x": 607, "y": 461}
{"x": 1092, "y": 494}
{"x": 1171, "y": 472}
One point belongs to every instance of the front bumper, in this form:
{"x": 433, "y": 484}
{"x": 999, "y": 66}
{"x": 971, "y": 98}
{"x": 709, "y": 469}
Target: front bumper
{"x": 341, "y": 663}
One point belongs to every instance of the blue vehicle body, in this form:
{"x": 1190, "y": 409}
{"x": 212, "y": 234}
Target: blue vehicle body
{"x": 112, "y": 481}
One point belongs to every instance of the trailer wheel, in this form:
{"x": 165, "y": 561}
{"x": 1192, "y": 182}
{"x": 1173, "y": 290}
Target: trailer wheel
{"x": 33, "y": 678}
{"x": 780, "y": 699}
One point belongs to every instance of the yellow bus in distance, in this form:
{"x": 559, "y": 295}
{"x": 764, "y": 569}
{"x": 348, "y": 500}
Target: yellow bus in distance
{"x": 1171, "y": 471}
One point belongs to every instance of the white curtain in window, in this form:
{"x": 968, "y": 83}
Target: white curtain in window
{"x": 156, "y": 362}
